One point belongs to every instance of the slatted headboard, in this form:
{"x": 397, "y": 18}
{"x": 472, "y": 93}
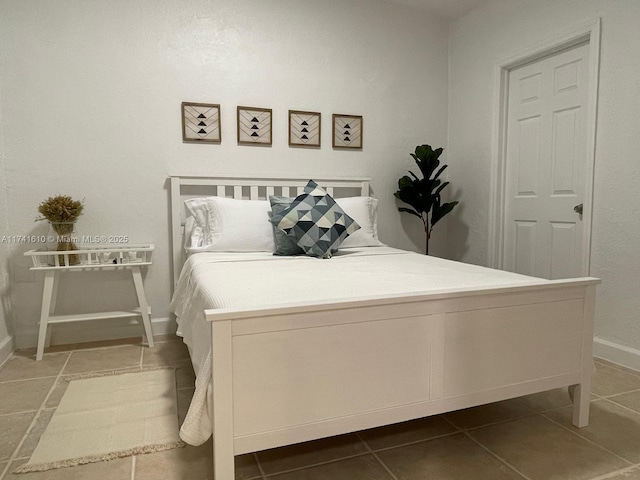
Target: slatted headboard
{"x": 253, "y": 188}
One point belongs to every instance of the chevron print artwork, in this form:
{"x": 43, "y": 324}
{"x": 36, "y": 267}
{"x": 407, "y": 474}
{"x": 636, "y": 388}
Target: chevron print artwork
{"x": 201, "y": 122}
{"x": 254, "y": 125}
{"x": 304, "y": 128}
{"x": 347, "y": 131}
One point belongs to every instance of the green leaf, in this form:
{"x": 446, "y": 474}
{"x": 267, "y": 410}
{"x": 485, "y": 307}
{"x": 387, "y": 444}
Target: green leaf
{"x": 440, "y": 188}
{"x": 408, "y": 210}
{"x": 444, "y": 167}
{"x": 441, "y": 211}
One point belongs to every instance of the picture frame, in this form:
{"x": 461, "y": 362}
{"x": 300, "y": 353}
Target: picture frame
{"x": 305, "y": 128}
{"x": 201, "y": 122}
{"x": 254, "y": 126}
{"x": 347, "y": 131}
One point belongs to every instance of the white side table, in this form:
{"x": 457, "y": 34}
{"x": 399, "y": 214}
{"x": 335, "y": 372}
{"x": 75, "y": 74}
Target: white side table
{"x": 94, "y": 258}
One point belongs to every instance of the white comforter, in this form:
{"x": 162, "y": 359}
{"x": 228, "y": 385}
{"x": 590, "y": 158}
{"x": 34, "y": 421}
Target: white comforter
{"x": 218, "y": 280}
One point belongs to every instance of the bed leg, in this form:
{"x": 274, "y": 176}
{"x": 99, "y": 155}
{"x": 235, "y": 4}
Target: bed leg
{"x": 581, "y": 393}
{"x": 581, "y": 400}
{"x": 222, "y": 409}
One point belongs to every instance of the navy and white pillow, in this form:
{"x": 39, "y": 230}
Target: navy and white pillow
{"x": 315, "y": 221}
{"x": 285, "y": 245}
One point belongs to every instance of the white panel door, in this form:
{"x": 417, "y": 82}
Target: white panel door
{"x": 546, "y": 165}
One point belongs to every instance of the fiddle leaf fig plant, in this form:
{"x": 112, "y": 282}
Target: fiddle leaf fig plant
{"x": 424, "y": 194}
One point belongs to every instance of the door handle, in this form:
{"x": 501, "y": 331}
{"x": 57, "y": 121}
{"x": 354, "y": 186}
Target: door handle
{"x": 578, "y": 209}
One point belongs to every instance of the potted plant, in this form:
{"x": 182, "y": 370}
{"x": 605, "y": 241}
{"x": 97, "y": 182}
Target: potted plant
{"x": 62, "y": 212}
{"x": 423, "y": 194}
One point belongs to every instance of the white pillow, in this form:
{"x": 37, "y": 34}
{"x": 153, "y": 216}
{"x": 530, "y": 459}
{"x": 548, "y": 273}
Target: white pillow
{"x": 364, "y": 210}
{"x": 230, "y": 225}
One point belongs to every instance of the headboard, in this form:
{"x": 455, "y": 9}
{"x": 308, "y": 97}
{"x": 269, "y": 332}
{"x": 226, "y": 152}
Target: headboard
{"x": 252, "y": 188}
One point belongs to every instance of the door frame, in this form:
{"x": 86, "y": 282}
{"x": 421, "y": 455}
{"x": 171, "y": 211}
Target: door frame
{"x": 584, "y": 33}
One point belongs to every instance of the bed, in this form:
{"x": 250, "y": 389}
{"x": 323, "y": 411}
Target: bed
{"x": 391, "y": 335}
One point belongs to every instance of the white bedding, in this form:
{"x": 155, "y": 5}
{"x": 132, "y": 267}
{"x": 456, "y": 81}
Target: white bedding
{"x": 219, "y": 280}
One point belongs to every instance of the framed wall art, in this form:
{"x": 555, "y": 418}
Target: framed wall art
{"x": 347, "y": 131}
{"x": 201, "y": 122}
{"x": 304, "y": 128}
{"x": 254, "y": 126}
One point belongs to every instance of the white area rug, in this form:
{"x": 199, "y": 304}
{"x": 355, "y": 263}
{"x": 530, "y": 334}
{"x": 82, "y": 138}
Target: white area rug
{"x": 107, "y": 417}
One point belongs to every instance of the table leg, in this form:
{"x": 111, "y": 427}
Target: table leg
{"x": 50, "y": 281}
{"x": 142, "y": 301}
{"x": 52, "y": 307}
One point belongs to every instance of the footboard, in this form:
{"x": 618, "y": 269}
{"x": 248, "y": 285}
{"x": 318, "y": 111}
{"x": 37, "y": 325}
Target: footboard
{"x": 293, "y": 373}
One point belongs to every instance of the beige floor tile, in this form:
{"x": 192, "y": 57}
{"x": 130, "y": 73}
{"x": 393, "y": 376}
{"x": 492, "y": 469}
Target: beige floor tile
{"x": 407, "y": 432}
{"x": 185, "y": 376}
{"x": 31, "y": 442}
{"x": 13, "y": 428}
{"x": 542, "y": 450}
{"x": 31, "y": 352}
{"x": 21, "y": 367}
{"x": 488, "y": 414}
{"x": 184, "y": 397}
{"x": 310, "y": 453}
{"x": 632, "y": 473}
{"x": 364, "y": 467}
{"x": 166, "y": 353}
{"x": 189, "y": 463}
{"x": 615, "y": 365}
{"x": 447, "y": 458}
{"x": 611, "y": 381}
{"x": 550, "y": 400}
{"x": 114, "y": 358}
{"x": 119, "y": 469}
{"x": 629, "y": 400}
{"x": 21, "y": 396}
{"x": 611, "y": 426}
{"x": 56, "y": 395}
{"x": 170, "y": 337}
{"x": 116, "y": 342}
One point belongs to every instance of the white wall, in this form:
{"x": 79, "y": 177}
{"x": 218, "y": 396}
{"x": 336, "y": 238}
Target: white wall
{"x": 6, "y": 340}
{"x": 91, "y": 94}
{"x": 477, "y": 42}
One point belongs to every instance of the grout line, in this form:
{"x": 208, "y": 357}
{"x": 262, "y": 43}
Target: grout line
{"x": 415, "y": 442}
{"x": 490, "y": 452}
{"x": 263, "y": 475}
{"x": 608, "y": 397}
{"x": 496, "y": 456}
{"x": 378, "y": 459}
{"x": 133, "y": 467}
{"x": 22, "y": 412}
{"x": 14, "y": 456}
{"x": 577, "y": 434}
{"x": 140, "y": 363}
{"x": 319, "y": 464}
{"x": 616, "y": 473}
{"x": 491, "y": 424}
{"x": 26, "y": 379}
{"x": 621, "y": 406}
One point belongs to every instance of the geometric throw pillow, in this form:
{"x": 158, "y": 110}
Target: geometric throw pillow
{"x": 285, "y": 245}
{"x": 316, "y": 222}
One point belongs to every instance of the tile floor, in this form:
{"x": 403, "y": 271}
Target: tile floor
{"x": 525, "y": 438}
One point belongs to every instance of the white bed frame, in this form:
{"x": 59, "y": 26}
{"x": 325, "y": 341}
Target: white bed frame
{"x": 298, "y": 372}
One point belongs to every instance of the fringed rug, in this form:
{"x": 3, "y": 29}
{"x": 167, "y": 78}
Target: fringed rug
{"x": 109, "y": 417}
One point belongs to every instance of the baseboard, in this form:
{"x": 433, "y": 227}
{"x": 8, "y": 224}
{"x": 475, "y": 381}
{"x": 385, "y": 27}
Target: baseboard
{"x": 616, "y": 353}
{"x": 7, "y": 347}
{"x": 108, "y": 329}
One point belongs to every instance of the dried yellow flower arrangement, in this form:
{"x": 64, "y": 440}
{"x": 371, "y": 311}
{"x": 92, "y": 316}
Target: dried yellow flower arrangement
{"x": 62, "y": 212}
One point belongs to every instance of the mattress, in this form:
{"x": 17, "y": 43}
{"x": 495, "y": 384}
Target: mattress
{"x": 240, "y": 280}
